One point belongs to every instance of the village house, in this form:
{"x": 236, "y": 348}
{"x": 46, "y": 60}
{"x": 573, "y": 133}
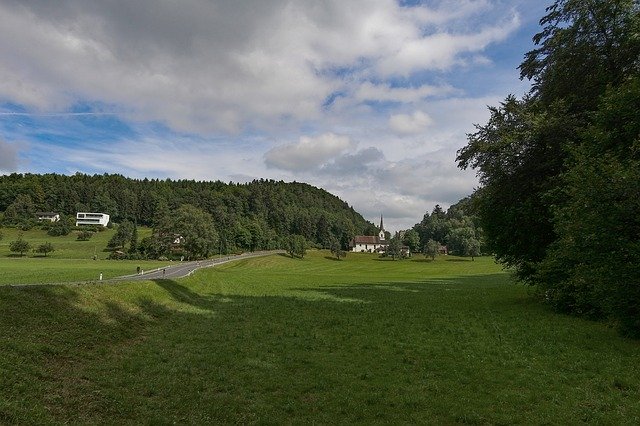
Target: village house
{"x": 49, "y": 216}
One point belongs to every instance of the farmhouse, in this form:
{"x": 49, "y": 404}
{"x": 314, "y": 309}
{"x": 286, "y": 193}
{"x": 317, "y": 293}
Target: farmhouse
{"x": 370, "y": 243}
{"x": 50, "y": 216}
{"x": 83, "y": 218}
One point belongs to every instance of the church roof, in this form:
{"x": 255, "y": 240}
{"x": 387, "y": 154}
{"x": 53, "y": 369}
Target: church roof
{"x": 367, "y": 239}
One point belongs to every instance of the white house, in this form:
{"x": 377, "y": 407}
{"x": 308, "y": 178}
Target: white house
{"x": 83, "y": 218}
{"x": 50, "y": 216}
{"x": 370, "y": 243}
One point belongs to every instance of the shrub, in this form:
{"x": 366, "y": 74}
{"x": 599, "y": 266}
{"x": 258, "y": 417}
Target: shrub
{"x": 84, "y": 235}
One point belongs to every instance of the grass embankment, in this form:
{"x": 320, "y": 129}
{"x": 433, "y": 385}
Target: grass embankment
{"x": 277, "y": 340}
{"x": 71, "y": 261}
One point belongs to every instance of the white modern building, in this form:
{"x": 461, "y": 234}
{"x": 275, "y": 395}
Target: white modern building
{"x": 83, "y": 218}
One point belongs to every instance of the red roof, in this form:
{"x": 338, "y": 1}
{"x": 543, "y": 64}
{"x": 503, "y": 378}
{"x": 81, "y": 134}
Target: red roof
{"x": 367, "y": 239}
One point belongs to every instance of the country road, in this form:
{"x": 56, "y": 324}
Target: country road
{"x": 183, "y": 269}
{"x": 173, "y": 270}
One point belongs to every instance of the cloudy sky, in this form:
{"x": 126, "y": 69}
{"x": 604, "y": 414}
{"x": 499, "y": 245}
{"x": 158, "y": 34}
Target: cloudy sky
{"x": 369, "y": 99}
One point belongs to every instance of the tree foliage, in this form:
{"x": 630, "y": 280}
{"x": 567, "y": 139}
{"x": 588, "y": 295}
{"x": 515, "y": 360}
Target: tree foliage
{"x": 257, "y": 215}
{"x": 411, "y": 239}
{"x": 123, "y": 234}
{"x": 45, "y": 248}
{"x": 296, "y": 246}
{"x": 20, "y": 245}
{"x": 394, "y": 248}
{"x": 84, "y": 235}
{"x": 559, "y": 167}
{"x": 336, "y": 248}
{"x": 431, "y": 249}
{"x": 59, "y": 228}
{"x": 189, "y": 231}
{"x": 456, "y": 227}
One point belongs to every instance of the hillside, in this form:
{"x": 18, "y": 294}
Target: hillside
{"x": 256, "y": 215}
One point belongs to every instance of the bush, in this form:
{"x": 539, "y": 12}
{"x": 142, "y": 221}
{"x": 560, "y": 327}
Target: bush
{"x": 58, "y": 229}
{"x": 26, "y": 225}
{"x": 84, "y": 235}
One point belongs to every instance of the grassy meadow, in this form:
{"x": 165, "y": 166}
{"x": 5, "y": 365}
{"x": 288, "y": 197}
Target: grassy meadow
{"x": 280, "y": 340}
{"x": 72, "y": 260}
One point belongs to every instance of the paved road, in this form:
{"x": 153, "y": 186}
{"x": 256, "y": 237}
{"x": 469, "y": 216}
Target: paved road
{"x": 183, "y": 269}
{"x": 172, "y": 271}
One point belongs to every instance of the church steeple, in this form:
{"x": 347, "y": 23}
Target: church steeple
{"x": 381, "y": 225}
{"x": 381, "y": 234}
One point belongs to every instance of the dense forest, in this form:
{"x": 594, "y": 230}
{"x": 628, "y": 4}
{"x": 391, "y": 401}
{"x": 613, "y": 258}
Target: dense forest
{"x": 456, "y": 229}
{"x": 262, "y": 214}
{"x": 559, "y": 200}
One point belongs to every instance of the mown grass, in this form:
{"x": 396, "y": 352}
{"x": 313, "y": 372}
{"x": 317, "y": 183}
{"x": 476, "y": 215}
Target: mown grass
{"x": 278, "y": 340}
{"x": 71, "y": 261}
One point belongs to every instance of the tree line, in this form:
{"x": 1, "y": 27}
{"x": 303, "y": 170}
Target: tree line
{"x": 456, "y": 229}
{"x": 218, "y": 217}
{"x": 559, "y": 200}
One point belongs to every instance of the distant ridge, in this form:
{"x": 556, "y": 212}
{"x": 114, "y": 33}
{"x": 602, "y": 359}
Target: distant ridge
{"x": 256, "y": 215}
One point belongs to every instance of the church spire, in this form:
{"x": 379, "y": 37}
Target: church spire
{"x": 381, "y": 225}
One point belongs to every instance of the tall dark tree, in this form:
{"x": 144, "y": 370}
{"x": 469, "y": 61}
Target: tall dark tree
{"x": 593, "y": 266}
{"x": 559, "y": 166}
{"x": 133, "y": 241}
{"x": 188, "y": 229}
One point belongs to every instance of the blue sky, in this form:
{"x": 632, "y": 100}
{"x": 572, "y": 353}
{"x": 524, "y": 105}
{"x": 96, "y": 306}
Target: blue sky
{"x": 369, "y": 99}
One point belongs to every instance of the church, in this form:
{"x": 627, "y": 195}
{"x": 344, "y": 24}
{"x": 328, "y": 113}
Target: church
{"x": 370, "y": 243}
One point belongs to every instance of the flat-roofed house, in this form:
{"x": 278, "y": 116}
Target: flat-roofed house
{"x": 50, "y": 216}
{"x": 84, "y": 218}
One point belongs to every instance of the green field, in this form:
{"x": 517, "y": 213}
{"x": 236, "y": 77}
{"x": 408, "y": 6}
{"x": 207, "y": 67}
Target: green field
{"x": 72, "y": 260}
{"x": 277, "y": 340}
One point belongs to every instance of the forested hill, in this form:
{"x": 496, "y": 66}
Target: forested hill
{"x": 257, "y": 215}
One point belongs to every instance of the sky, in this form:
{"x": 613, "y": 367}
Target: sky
{"x": 368, "y": 99}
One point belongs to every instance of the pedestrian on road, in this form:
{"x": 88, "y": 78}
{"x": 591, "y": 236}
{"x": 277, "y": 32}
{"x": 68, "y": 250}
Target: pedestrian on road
{"x": 163, "y": 272}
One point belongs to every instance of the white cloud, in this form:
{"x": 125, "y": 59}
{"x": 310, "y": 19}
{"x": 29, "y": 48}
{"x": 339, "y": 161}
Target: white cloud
{"x": 368, "y": 91}
{"x": 207, "y": 66}
{"x": 442, "y": 50}
{"x": 310, "y": 153}
{"x": 230, "y": 78}
{"x": 8, "y": 156}
{"x": 410, "y": 124}
{"x": 355, "y": 164}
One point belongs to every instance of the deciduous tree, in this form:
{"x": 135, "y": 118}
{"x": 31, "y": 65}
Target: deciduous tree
{"x": 20, "y": 245}
{"x": 45, "y": 248}
{"x": 336, "y": 248}
{"x": 431, "y": 249}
